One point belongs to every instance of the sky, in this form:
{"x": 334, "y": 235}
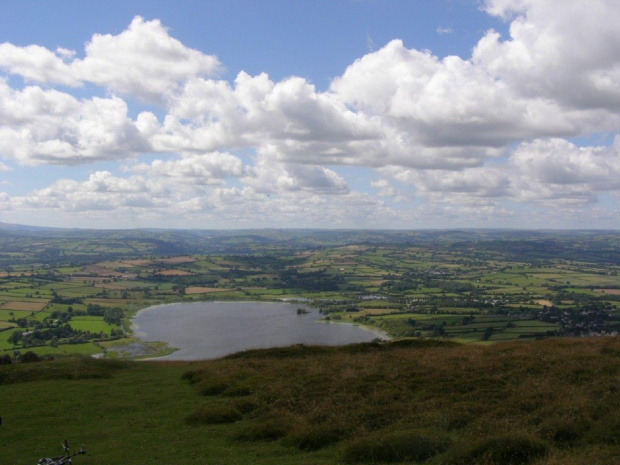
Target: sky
{"x": 374, "y": 114}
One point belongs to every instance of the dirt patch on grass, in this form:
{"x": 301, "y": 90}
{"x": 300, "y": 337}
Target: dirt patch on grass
{"x": 143, "y": 262}
{"x": 546, "y": 302}
{"x": 24, "y": 306}
{"x": 609, "y": 291}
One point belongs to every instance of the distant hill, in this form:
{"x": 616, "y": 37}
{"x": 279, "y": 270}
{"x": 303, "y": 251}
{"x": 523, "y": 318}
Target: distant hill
{"x": 22, "y": 227}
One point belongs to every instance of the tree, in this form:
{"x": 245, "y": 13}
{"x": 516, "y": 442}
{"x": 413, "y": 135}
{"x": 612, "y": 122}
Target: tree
{"x": 30, "y": 357}
{"x": 16, "y": 337}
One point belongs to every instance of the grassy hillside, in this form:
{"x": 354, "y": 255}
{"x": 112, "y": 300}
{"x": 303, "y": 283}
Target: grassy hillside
{"x": 543, "y": 402}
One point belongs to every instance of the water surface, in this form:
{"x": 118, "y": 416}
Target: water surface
{"x": 205, "y": 330}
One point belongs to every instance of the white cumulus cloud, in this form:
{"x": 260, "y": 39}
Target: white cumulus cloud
{"x": 143, "y": 61}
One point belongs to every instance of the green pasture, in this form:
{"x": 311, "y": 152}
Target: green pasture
{"x": 69, "y": 269}
{"x": 40, "y": 316}
{"x": 378, "y": 304}
{"x": 63, "y": 285}
{"x": 128, "y": 284}
{"x": 578, "y": 290}
{"x": 33, "y": 292}
{"x": 459, "y": 310}
{"x": 164, "y": 286}
{"x": 4, "y": 340}
{"x": 586, "y": 280}
{"x": 365, "y": 283}
{"x": 94, "y": 324}
{"x": 114, "y": 302}
{"x": 65, "y": 307}
{"x": 425, "y": 290}
{"x": 534, "y": 324}
{"x": 512, "y": 284}
{"x": 5, "y": 314}
{"x": 87, "y": 349}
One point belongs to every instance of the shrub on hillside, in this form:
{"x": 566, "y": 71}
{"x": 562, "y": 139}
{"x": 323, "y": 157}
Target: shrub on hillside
{"x": 207, "y": 415}
{"x": 212, "y": 387}
{"x": 503, "y": 450}
{"x": 270, "y": 430}
{"x": 316, "y": 437}
{"x": 30, "y": 357}
{"x": 396, "y": 447}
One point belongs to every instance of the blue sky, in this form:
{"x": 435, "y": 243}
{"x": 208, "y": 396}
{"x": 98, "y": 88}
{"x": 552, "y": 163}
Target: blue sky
{"x": 323, "y": 113}
{"x": 313, "y": 39}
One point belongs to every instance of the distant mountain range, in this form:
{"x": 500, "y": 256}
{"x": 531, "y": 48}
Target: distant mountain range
{"x": 22, "y": 227}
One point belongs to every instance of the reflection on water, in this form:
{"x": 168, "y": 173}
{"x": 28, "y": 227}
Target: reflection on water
{"x": 205, "y": 330}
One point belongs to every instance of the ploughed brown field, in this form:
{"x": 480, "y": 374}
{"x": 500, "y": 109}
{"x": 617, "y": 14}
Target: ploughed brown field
{"x": 29, "y": 306}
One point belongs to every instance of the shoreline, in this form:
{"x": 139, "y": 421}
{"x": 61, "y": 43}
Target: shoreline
{"x": 141, "y": 347}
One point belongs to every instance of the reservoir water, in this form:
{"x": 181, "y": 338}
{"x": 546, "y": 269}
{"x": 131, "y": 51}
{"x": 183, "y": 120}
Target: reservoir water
{"x": 206, "y": 330}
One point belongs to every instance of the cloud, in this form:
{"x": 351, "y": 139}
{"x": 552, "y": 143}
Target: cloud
{"x": 142, "y": 61}
{"x": 269, "y": 176}
{"x": 472, "y": 135}
{"x": 557, "y": 172}
{"x": 46, "y": 126}
{"x": 550, "y": 172}
{"x": 322, "y": 200}
{"x": 102, "y": 191}
{"x": 202, "y": 169}
{"x": 385, "y": 188}
{"x": 37, "y": 64}
{"x": 294, "y": 208}
{"x": 545, "y": 57}
{"x": 469, "y": 184}
{"x": 394, "y": 106}
{"x": 210, "y": 114}
{"x": 447, "y": 103}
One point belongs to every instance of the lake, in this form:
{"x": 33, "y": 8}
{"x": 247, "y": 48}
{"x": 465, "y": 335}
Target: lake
{"x": 207, "y": 330}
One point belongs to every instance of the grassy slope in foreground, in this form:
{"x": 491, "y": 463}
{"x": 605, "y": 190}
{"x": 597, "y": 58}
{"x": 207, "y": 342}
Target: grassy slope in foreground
{"x": 545, "y": 402}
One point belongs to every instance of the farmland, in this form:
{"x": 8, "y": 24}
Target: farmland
{"x": 74, "y": 291}
{"x": 503, "y": 350}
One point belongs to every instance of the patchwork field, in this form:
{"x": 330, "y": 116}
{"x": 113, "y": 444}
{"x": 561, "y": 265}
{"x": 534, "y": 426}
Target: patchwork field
{"x": 474, "y": 287}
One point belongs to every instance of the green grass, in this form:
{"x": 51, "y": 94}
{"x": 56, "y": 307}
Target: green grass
{"x": 5, "y": 315}
{"x": 4, "y": 336}
{"x": 513, "y": 281}
{"x": 541, "y": 403}
{"x": 94, "y": 324}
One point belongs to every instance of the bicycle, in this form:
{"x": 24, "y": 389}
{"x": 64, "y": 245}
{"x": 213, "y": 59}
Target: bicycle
{"x": 61, "y": 459}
